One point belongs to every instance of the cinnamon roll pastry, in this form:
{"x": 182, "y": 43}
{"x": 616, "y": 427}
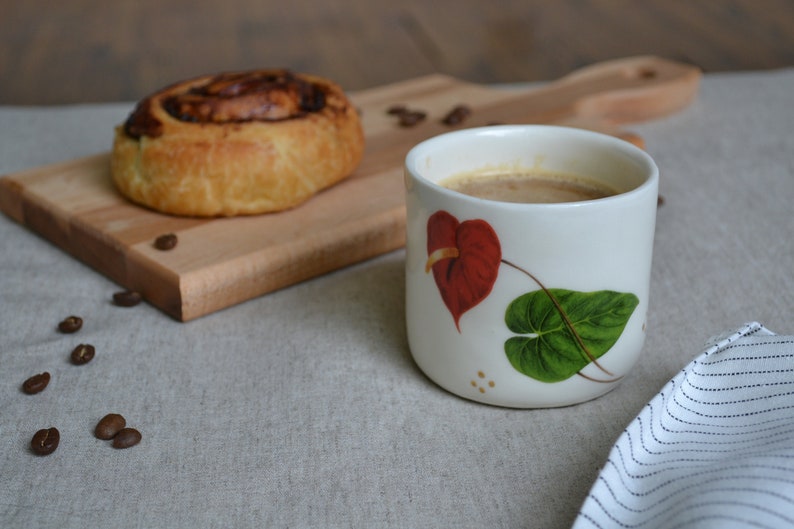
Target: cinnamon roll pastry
{"x": 236, "y": 144}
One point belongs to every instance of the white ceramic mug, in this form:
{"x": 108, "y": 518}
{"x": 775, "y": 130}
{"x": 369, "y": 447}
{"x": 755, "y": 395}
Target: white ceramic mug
{"x": 528, "y": 305}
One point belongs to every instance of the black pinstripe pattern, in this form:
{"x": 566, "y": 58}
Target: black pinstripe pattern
{"x": 715, "y": 448}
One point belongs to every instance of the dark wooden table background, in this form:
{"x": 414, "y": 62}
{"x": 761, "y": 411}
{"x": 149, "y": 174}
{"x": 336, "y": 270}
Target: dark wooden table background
{"x": 76, "y": 51}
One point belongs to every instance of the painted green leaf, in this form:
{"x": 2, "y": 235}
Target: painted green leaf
{"x": 557, "y": 345}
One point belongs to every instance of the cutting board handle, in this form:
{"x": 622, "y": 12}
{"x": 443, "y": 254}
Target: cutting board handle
{"x": 602, "y": 97}
{"x": 629, "y": 90}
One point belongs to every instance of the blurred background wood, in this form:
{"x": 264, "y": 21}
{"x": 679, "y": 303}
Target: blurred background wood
{"x": 78, "y": 51}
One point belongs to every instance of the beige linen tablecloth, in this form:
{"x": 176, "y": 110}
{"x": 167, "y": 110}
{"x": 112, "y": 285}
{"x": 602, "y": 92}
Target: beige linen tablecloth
{"x": 303, "y": 408}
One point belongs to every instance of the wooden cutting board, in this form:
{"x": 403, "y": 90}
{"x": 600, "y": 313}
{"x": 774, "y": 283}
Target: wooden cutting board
{"x": 220, "y": 262}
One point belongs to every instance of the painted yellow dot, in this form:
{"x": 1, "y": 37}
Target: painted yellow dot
{"x": 473, "y": 384}
{"x": 482, "y": 390}
{"x": 480, "y": 374}
{"x": 491, "y": 383}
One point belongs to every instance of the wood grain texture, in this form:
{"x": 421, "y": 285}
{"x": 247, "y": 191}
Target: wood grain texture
{"x": 90, "y": 51}
{"x": 221, "y": 262}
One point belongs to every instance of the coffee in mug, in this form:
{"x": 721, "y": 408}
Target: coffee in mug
{"x": 527, "y": 186}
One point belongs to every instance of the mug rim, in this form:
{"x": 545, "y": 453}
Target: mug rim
{"x": 650, "y": 175}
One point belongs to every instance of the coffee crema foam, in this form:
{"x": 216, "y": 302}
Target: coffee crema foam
{"x": 531, "y": 187}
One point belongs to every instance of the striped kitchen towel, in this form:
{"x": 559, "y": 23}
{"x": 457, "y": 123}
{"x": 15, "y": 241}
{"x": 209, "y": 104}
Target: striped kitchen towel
{"x": 715, "y": 448}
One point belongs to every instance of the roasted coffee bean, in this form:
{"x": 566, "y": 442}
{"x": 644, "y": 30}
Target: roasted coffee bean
{"x": 126, "y": 437}
{"x": 127, "y": 298}
{"x": 396, "y": 110}
{"x": 165, "y": 242}
{"x": 109, "y": 425}
{"x": 36, "y": 383}
{"x": 457, "y": 115}
{"x": 411, "y": 118}
{"x": 407, "y": 117}
{"x": 82, "y": 354}
{"x": 45, "y": 441}
{"x": 70, "y": 324}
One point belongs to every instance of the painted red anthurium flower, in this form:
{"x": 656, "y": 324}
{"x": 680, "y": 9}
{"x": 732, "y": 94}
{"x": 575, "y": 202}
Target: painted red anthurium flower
{"x": 464, "y": 258}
